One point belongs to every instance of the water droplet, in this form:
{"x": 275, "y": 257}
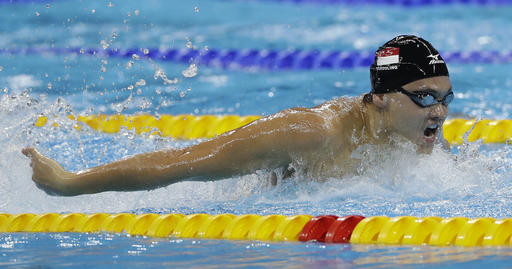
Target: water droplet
{"x": 146, "y": 51}
{"x": 1, "y": 68}
{"x": 103, "y": 61}
{"x": 129, "y": 65}
{"x": 110, "y": 4}
{"x": 93, "y": 11}
{"x": 130, "y": 87}
{"x": 50, "y": 86}
{"x": 189, "y": 43}
{"x": 136, "y": 12}
{"x": 104, "y": 44}
{"x": 103, "y": 69}
{"x": 114, "y": 35}
{"x": 139, "y": 91}
{"x": 206, "y": 48}
{"x": 140, "y": 83}
{"x": 191, "y": 71}
{"x": 196, "y": 9}
{"x": 182, "y": 94}
{"x": 37, "y": 13}
{"x": 82, "y": 51}
{"x": 47, "y": 5}
{"x": 158, "y": 91}
{"x": 135, "y": 56}
{"x": 159, "y": 73}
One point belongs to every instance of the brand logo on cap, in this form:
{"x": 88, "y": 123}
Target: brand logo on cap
{"x": 434, "y": 59}
{"x": 388, "y": 56}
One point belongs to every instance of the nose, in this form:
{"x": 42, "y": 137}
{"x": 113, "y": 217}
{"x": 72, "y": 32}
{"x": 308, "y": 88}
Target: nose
{"x": 439, "y": 112}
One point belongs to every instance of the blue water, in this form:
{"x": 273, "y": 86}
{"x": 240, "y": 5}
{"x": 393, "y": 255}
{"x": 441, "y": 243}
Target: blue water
{"x": 472, "y": 180}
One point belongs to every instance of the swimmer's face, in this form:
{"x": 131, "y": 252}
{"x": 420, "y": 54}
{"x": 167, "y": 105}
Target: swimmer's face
{"x": 419, "y": 124}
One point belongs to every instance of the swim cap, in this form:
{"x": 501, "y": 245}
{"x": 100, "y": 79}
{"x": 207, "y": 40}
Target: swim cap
{"x": 404, "y": 59}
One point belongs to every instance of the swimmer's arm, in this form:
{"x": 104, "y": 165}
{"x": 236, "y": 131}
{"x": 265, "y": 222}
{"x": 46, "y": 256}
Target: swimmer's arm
{"x": 266, "y": 143}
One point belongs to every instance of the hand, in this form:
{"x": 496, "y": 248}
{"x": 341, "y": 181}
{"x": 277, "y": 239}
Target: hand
{"x": 47, "y": 173}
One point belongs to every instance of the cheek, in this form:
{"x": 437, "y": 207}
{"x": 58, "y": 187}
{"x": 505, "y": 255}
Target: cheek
{"x": 410, "y": 118}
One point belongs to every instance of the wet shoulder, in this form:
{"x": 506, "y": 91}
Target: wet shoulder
{"x": 329, "y": 114}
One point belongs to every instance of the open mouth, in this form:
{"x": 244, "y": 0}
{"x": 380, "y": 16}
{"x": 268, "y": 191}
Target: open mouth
{"x": 431, "y": 130}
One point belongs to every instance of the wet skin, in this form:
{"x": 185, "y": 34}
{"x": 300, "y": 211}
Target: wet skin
{"x": 321, "y": 137}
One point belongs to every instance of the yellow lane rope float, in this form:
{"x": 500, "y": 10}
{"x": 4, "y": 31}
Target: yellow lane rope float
{"x": 404, "y": 230}
{"x": 207, "y": 126}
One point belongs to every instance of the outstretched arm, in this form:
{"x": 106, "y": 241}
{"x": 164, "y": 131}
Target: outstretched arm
{"x": 266, "y": 143}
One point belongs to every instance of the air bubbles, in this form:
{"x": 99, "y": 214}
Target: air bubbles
{"x": 182, "y": 94}
{"x": 136, "y": 12}
{"x": 146, "y": 51}
{"x": 110, "y": 4}
{"x": 37, "y": 13}
{"x": 130, "y": 87}
{"x": 135, "y": 56}
{"x": 196, "y": 9}
{"x": 190, "y": 72}
{"x": 129, "y": 64}
{"x": 104, "y": 44}
{"x": 141, "y": 82}
{"x": 189, "y": 43}
{"x": 144, "y": 103}
{"x": 93, "y": 11}
{"x": 159, "y": 73}
{"x": 49, "y": 86}
{"x": 1, "y": 68}
{"x": 103, "y": 69}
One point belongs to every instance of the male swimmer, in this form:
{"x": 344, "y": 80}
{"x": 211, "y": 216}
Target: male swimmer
{"x": 409, "y": 98}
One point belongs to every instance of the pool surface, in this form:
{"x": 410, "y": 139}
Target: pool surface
{"x": 64, "y": 57}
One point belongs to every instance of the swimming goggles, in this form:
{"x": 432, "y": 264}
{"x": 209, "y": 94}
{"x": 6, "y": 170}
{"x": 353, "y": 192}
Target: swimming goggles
{"x": 426, "y": 99}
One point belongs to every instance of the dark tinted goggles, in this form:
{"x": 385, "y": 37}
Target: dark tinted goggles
{"x": 425, "y": 99}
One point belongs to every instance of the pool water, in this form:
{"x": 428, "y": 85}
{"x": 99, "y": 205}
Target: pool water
{"x": 40, "y": 76}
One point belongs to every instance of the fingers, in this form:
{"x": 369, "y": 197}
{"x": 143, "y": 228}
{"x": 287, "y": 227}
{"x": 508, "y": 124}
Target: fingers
{"x": 29, "y": 151}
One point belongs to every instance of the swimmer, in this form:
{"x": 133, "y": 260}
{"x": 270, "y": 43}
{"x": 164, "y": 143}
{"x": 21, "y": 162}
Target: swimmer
{"x": 409, "y": 97}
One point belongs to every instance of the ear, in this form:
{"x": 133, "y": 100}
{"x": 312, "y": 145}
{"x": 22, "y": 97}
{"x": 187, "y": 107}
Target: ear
{"x": 380, "y": 100}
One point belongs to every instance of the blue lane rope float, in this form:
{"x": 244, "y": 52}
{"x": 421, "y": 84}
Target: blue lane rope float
{"x": 404, "y": 3}
{"x": 260, "y": 59}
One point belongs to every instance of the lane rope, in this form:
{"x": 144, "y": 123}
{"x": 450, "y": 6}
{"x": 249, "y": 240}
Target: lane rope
{"x": 404, "y": 3}
{"x": 260, "y": 59}
{"x": 455, "y": 131}
{"x": 354, "y": 229}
